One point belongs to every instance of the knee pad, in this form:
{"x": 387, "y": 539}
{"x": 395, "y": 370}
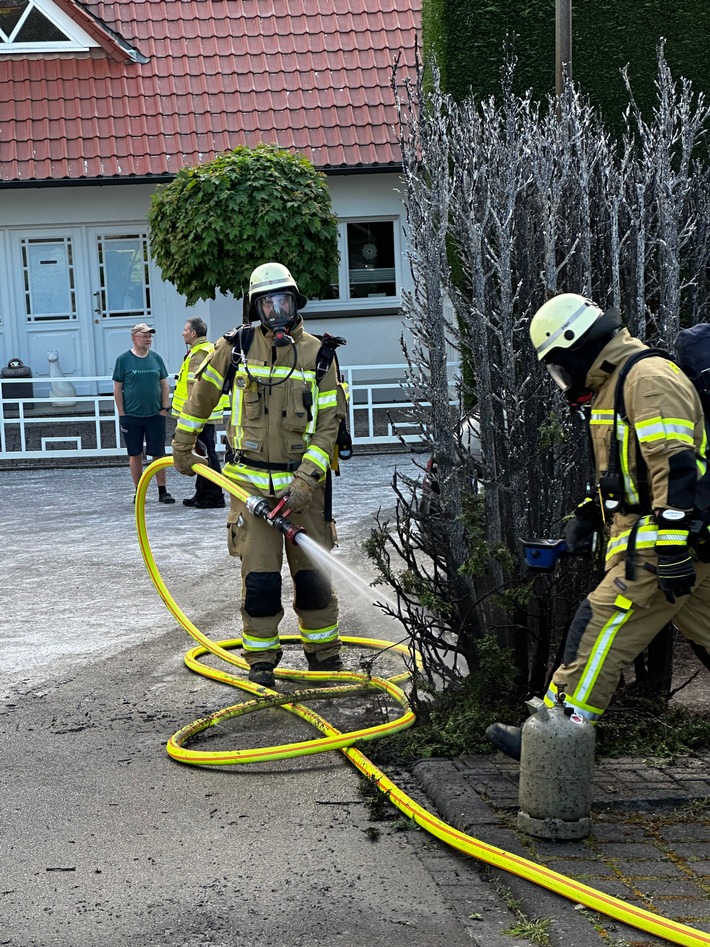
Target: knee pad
{"x": 263, "y": 594}
{"x": 313, "y": 591}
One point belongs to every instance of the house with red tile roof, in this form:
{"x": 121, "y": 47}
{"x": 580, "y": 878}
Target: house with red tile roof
{"x": 104, "y": 101}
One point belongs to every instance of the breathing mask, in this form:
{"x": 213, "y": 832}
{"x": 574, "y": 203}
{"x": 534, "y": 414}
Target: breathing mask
{"x": 277, "y": 312}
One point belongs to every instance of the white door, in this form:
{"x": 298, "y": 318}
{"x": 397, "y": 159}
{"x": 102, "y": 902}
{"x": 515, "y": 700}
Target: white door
{"x": 121, "y": 290}
{"x": 78, "y": 292}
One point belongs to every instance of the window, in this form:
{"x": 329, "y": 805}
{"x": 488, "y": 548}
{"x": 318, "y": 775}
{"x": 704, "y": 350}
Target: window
{"x": 37, "y": 26}
{"x": 367, "y": 274}
{"x": 123, "y": 269}
{"x": 48, "y": 272}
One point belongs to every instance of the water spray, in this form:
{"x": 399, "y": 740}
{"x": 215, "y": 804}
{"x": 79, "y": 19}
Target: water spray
{"x": 258, "y": 506}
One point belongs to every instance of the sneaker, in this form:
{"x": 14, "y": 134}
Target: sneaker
{"x": 191, "y": 501}
{"x": 505, "y": 738}
{"x": 333, "y": 663}
{"x": 166, "y": 498}
{"x": 262, "y": 673}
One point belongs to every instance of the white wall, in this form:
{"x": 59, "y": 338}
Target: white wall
{"x": 372, "y": 338}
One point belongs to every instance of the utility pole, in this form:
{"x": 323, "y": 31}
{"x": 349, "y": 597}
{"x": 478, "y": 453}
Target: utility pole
{"x": 563, "y": 43}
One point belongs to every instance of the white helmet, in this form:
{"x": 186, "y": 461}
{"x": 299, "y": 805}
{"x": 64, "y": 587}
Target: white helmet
{"x": 562, "y": 322}
{"x": 568, "y": 333}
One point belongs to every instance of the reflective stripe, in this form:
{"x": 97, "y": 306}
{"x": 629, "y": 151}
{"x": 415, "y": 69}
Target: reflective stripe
{"x": 259, "y": 644}
{"x": 318, "y": 457}
{"x": 646, "y": 538}
{"x": 599, "y": 653}
{"x": 279, "y": 479}
{"x": 321, "y": 635}
{"x": 275, "y": 371}
{"x": 668, "y": 429}
{"x": 190, "y": 424}
{"x": 327, "y": 399}
{"x": 592, "y": 714}
{"x": 672, "y": 537}
{"x": 605, "y": 416}
{"x": 211, "y": 375}
{"x": 551, "y": 341}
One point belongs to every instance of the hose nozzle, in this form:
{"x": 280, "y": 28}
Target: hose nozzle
{"x": 258, "y": 506}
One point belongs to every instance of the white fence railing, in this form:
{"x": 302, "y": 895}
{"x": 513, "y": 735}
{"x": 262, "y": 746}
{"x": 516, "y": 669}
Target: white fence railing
{"x": 36, "y": 424}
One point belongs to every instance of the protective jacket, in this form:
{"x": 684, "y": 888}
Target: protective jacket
{"x": 662, "y": 441}
{"x": 282, "y": 417}
{"x": 200, "y": 349}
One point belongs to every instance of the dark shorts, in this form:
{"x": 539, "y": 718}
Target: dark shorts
{"x": 150, "y": 430}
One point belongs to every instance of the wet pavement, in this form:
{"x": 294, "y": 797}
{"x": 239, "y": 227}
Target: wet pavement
{"x": 108, "y": 843}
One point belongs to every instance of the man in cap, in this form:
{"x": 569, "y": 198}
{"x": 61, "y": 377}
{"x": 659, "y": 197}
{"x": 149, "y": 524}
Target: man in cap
{"x": 142, "y": 394}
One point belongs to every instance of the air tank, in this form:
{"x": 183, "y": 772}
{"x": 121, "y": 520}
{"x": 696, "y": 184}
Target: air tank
{"x": 556, "y": 772}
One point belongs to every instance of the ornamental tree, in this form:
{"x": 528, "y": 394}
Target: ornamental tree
{"x": 215, "y": 222}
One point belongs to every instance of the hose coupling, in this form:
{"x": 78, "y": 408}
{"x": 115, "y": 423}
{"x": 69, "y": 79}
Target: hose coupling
{"x": 258, "y": 506}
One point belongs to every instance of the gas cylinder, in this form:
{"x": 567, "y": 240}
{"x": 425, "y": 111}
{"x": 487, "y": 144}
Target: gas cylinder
{"x": 556, "y": 773}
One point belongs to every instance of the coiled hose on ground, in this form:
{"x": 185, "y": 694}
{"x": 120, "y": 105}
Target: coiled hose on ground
{"x": 347, "y": 683}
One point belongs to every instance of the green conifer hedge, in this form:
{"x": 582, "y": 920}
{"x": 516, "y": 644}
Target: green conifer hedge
{"x": 468, "y": 37}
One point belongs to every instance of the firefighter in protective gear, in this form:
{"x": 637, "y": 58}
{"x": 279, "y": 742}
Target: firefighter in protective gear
{"x": 282, "y": 432}
{"x": 207, "y": 494}
{"x": 648, "y": 495}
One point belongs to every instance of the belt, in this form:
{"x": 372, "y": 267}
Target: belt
{"x": 290, "y": 466}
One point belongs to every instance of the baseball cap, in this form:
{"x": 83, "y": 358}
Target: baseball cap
{"x": 142, "y": 327}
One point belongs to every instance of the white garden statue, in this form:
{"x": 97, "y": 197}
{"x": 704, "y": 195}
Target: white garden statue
{"x": 63, "y": 391}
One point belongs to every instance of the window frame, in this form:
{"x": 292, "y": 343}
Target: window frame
{"x": 344, "y": 304}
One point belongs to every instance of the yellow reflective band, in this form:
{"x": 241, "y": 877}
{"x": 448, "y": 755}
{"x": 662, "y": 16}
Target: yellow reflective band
{"x": 630, "y": 491}
{"x": 211, "y": 375}
{"x": 317, "y": 457}
{"x": 599, "y": 653}
{"x": 190, "y": 424}
{"x": 259, "y": 644}
{"x": 672, "y": 537}
{"x": 260, "y": 478}
{"x": 668, "y": 429}
{"x": 602, "y": 417}
{"x": 550, "y": 699}
{"x": 275, "y": 371}
{"x": 318, "y": 634}
{"x": 645, "y": 539}
{"x": 327, "y": 399}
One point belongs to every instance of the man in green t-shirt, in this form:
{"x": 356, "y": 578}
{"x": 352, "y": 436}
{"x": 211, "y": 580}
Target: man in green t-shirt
{"x": 142, "y": 394}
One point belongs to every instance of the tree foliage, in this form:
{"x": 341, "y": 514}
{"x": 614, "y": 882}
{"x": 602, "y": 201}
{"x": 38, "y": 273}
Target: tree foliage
{"x": 509, "y": 201}
{"x": 216, "y": 221}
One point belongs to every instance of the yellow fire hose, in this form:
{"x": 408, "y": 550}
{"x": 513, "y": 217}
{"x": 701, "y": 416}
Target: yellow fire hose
{"x": 333, "y": 739}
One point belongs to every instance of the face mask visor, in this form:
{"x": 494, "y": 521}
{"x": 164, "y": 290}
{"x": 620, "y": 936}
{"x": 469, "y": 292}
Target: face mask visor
{"x": 560, "y": 376}
{"x": 277, "y": 311}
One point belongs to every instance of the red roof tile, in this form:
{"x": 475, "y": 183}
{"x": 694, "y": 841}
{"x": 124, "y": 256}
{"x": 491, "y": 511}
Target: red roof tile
{"x": 310, "y": 75}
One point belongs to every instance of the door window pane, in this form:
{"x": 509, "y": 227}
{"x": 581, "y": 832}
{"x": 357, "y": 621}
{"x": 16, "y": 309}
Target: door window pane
{"x": 123, "y": 267}
{"x": 48, "y": 271}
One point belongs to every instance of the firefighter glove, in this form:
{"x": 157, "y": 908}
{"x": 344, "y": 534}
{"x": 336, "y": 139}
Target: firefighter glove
{"x": 676, "y": 569}
{"x": 579, "y": 536}
{"x": 184, "y": 455}
{"x": 300, "y": 492}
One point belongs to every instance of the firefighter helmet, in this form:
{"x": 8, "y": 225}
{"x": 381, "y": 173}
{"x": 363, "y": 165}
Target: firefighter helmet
{"x": 274, "y": 280}
{"x": 562, "y": 322}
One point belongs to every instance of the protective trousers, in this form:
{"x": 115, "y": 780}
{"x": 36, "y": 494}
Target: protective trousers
{"x": 205, "y": 489}
{"x": 260, "y": 548}
{"x": 613, "y": 626}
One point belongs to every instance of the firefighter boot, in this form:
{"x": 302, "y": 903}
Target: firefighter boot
{"x": 262, "y": 673}
{"x": 505, "y": 738}
{"x": 333, "y": 663}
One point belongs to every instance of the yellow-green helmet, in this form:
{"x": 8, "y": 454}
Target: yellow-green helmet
{"x": 272, "y": 278}
{"x": 562, "y": 322}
